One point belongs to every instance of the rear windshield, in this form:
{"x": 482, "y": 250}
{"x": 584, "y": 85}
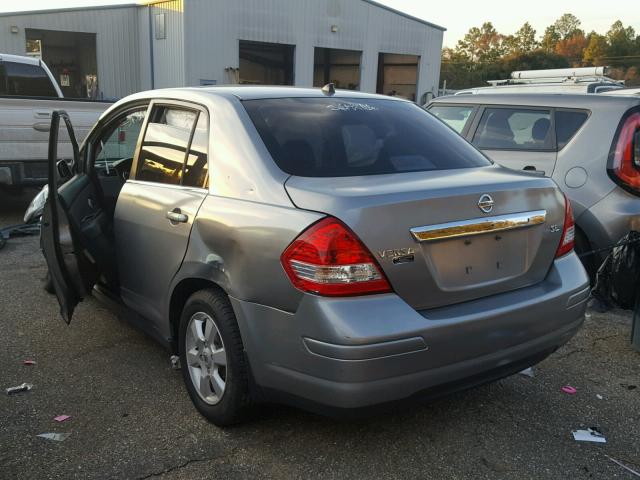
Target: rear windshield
{"x": 339, "y": 137}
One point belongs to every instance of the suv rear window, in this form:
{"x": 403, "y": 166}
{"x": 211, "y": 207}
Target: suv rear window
{"x": 26, "y": 80}
{"x": 338, "y": 137}
{"x": 567, "y": 124}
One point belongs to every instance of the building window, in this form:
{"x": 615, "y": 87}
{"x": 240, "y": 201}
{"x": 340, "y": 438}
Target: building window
{"x": 266, "y": 63}
{"x": 340, "y": 67}
{"x": 398, "y": 75}
{"x": 161, "y": 26}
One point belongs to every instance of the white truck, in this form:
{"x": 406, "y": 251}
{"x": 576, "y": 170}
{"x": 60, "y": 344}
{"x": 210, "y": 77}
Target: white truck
{"x": 28, "y": 95}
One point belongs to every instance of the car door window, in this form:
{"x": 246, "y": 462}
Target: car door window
{"x": 164, "y": 147}
{"x": 514, "y": 128}
{"x": 119, "y": 140}
{"x": 456, "y": 116}
{"x": 568, "y": 123}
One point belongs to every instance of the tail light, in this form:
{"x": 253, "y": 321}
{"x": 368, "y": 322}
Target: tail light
{"x": 624, "y": 159}
{"x": 567, "y": 241}
{"x": 329, "y": 259}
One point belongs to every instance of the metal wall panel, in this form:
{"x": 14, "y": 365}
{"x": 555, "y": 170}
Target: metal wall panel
{"x": 213, "y": 29}
{"x": 116, "y": 32}
{"x": 168, "y": 53}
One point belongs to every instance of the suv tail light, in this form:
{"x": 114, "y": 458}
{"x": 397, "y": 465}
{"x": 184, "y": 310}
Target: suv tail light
{"x": 567, "y": 240}
{"x": 329, "y": 259}
{"x": 624, "y": 158}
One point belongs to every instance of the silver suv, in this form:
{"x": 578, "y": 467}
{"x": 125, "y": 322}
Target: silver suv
{"x": 588, "y": 144}
{"x": 330, "y": 250}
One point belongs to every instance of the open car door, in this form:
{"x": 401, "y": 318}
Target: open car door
{"x": 72, "y": 206}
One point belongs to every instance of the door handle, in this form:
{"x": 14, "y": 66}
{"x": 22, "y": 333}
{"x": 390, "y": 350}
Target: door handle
{"x": 42, "y": 126}
{"x": 176, "y": 216}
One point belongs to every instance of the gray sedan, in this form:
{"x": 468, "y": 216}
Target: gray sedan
{"x": 333, "y": 250}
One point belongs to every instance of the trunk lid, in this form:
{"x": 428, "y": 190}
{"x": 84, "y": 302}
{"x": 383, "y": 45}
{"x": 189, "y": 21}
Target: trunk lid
{"x": 434, "y": 243}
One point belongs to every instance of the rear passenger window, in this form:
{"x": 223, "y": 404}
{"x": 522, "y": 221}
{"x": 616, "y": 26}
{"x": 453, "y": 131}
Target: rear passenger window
{"x": 567, "y": 125}
{"x": 517, "y": 129}
{"x": 22, "y": 79}
{"x": 170, "y": 134}
{"x": 456, "y": 116}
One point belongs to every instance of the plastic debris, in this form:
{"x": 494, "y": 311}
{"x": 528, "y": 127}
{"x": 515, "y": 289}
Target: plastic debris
{"x": 25, "y": 387}
{"x": 599, "y": 397}
{"x": 29, "y": 362}
{"x": 62, "y": 418}
{"x": 175, "y": 362}
{"x": 527, "y": 372}
{"x": 569, "y": 390}
{"x": 630, "y": 470}
{"x": 619, "y": 274}
{"x": 589, "y": 435}
{"x": 56, "y": 437}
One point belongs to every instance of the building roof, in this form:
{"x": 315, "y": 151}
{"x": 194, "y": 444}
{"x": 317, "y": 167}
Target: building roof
{"x": 142, "y": 3}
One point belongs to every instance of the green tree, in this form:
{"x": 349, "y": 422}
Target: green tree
{"x": 622, "y": 40}
{"x": 523, "y": 41}
{"x": 550, "y": 38}
{"x": 567, "y": 25}
{"x": 597, "y": 49}
{"x": 482, "y": 44}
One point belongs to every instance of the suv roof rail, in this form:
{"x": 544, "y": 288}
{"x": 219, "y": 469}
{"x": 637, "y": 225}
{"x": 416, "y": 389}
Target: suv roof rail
{"x": 558, "y": 75}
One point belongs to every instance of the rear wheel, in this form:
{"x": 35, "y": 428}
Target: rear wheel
{"x": 212, "y": 358}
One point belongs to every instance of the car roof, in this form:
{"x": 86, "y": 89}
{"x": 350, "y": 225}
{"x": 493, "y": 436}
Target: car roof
{"x": 5, "y": 57}
{"x": 252, "y": 92}
{"x": 567, "y": 100}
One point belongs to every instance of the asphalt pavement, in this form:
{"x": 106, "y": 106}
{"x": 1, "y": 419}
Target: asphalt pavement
{"x": 131, "y": 417}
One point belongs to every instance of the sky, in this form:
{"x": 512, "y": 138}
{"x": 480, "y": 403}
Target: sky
{"x": 507, "y": 17}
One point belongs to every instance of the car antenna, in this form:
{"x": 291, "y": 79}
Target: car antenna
{"x": 329, "y": 89}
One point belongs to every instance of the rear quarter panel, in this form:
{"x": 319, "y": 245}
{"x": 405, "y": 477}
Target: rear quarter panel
{"x": 238, "y": 243}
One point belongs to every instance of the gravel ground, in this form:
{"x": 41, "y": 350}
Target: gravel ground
{"x": 131, "y": 417}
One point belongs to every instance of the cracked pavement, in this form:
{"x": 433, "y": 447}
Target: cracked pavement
{"x": 131, "y": 417}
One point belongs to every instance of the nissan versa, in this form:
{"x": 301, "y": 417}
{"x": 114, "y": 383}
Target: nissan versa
{"x": 334, "y": 250}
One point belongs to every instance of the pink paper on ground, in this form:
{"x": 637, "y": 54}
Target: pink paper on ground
{"x": 61, "y": 418}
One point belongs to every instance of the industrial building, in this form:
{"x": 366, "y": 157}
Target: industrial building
{"x": 112, "y": 51}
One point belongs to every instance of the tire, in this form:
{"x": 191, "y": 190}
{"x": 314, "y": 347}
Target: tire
{"x": 47, "y": 284}
{"x": 590, "y": 262}
{"x": 200, "y": 353}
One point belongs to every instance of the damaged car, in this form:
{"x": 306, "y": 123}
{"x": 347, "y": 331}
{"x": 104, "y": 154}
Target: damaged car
{"x": 331, "y": 250}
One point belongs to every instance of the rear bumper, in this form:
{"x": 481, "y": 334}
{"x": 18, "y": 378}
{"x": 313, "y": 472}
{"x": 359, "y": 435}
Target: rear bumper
{"x": 358, "y": 352}
{"x": 23, "y": 173}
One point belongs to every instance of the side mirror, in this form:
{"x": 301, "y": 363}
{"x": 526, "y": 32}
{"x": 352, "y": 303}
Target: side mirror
{"x": 64, "y": 171}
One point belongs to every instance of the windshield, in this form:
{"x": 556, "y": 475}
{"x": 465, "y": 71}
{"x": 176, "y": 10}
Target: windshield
{"x": 337, "y": 137}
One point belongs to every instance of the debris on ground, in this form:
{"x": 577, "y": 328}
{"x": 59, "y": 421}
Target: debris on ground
{"x": 617, "y": 462}
{"x": 599, "y": 397}
{"x": 569, "y": 390}
{"x": 618, "y": 277}
{"x": 21, "y": 230}
{"x": 25, "y": 387}
{"x": 175, "y": 362}
{"x": 62, "y": 418}
{"x": 56, "y": 437}
{"x": 29, "y": 362}
{"x": 589, "y": 435}
{"x": 527, "y": 372}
